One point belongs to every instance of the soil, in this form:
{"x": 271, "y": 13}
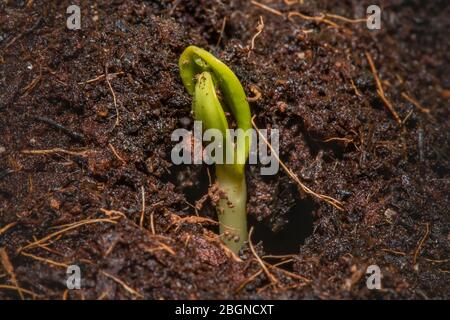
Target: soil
{"x": 80, "y": 150}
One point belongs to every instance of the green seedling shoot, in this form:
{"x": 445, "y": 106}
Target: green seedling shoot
{"x": 204, "y": 76}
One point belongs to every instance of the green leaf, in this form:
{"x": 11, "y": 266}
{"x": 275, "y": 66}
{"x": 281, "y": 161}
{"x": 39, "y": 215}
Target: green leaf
{"x": 193, "y": 62}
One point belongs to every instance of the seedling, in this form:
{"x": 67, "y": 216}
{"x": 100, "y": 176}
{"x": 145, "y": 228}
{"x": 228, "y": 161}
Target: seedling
{"x": 206, "y": 78}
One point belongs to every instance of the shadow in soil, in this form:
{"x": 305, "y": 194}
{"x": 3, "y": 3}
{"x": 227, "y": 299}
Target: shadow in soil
{"x": 294, "y": 233}
{"x": 285, "y": 241}
{"x": 190, "y": 180}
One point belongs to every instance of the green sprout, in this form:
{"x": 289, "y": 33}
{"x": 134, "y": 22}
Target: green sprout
{"x": 203, "y": 75}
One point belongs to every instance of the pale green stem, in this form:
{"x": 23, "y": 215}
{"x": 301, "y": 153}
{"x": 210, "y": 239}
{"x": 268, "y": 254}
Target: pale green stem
{"x": 231, "y": 210}
{"x": 201, "y": 73}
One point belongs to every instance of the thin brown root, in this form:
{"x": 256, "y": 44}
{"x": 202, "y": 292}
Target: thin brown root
{"x": 70, "y": 227}
{"x": 421, "y": 242}
{"x": 407, "y": 117}
{"x": 259, "y": 29}
{"x": 46, "y": 248}
{"x": 257, "y": 93}
{"x": 114, "y": 97}
{"x": 189, "y": 219}
{"x": 152, "y": 217}
{"x": 346, "y": 140}
{"x": 209, "y": 176}
{"x": 57, "y": 150}
{"x": 123, "y": 284}
{"x": 116, "y": 153}
{"x": 162, "y": 246}
{"x": 317, "y": 19}
{"x": 100, "y": 77}
{"x": 113, "y": 214}
{"x": 45, "y": 245}
{"x": 400, "y": 253}
{"x": 48, "y": 261}
{"x": 7, "y": 227}
{"x": 267, "y": 286}
{"x": 380, "y": 90}
{"x": 283, "y": 256}
{"x": 141, "y": 220}
{"x": 62, "y": 226}
{"x": 416, "y": 104}
{"x": 7, "y": 265}
{"x": 271, "y": 277}
{"x": 267, "y": 8}
{"x": 8, "y": 287}
{"x": 291, "y": 2}
{"x": 217, "y": 239}
{"x": 103, "y": 295}
{"x": 345, "y": 19}
{"x": 248, "y": 280}
{"x": 255, "y": 275}
{"x": 33, "y": 83}
{"x": 288, "y": 273}
{"x": 92, "y": 80}
{"x": 357, "y": 92}
{"x": 437, "y": 261}
{"x": 281, "y": 262}
{"x": 334, "y": 202}
{"x": 192, "y": 206}
{"x": 222, "y": 30}
{"x": 111, "y": 248}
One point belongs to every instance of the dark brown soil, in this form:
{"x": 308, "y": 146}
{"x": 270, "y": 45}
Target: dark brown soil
{"x": 394, "y": 180}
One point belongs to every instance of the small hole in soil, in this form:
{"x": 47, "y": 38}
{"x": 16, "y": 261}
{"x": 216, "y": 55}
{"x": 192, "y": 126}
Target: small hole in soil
{"x": 287, "y": 240}
{"x": 192, "y": 181}
{"x": 199, "y": 188}
{"x": 292, "y": 235}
